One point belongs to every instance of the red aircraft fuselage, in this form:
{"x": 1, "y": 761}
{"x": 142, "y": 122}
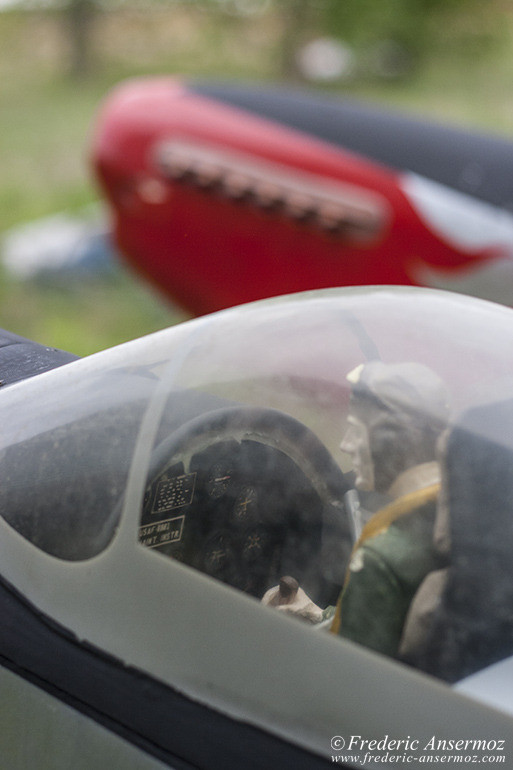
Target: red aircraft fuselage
{"x": 219, "y": 205}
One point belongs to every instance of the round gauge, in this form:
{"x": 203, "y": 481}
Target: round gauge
{"x": 218, "y": 480}
{"x": 256, "y": 542}
{"x": 245, "y": 505}
{"x": 218, "y": 554}
{"x": 253, "y": 545}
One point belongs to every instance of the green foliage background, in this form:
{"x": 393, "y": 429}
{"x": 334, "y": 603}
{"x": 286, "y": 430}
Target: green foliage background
{"x": 459, "y": 68}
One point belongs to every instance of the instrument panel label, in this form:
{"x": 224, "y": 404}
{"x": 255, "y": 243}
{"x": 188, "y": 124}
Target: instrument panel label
{"x": 173, "y": 492}
{"x": 162, "y": 532}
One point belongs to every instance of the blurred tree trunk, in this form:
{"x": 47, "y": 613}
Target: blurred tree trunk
{"x": 79, "y": 20}
{"x": 299, "y": 22}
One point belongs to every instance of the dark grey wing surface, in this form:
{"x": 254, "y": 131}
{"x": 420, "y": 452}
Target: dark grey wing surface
{"x": 21, "y": 358}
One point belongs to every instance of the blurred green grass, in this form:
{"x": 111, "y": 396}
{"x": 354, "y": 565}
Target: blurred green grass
{"x": 46, "y": 120}
{"x": 84, "y": 316}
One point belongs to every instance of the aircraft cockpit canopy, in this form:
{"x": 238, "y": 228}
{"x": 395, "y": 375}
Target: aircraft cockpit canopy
{"x": 312, "y": 451}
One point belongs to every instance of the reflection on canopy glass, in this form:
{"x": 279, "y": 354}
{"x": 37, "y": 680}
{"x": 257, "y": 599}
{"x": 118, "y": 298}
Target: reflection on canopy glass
{"x": 332, "y": 465}
{"x": 343, "y": 457}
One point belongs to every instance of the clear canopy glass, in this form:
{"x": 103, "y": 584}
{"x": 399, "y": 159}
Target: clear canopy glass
{"x": 241, "y": 416}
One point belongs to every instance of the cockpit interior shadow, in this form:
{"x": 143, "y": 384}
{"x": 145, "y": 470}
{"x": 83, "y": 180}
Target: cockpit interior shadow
{"x": 246, "y": 495}
{"x": 472, "y": 625}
